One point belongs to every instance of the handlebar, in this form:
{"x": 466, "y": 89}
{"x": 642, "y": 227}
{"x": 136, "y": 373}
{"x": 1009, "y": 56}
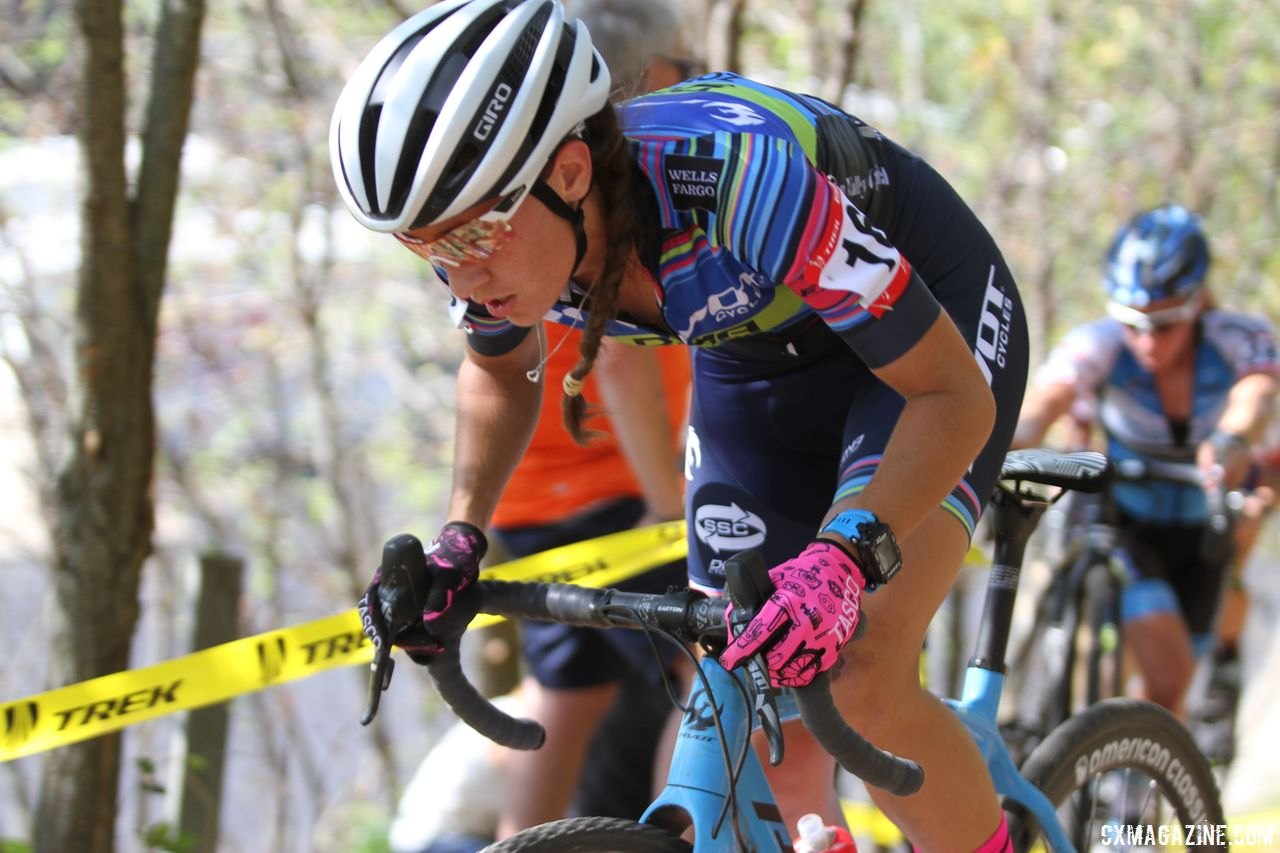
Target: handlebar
{"x": 1159, "y": 471}
{"x": 1223, "y": 505}
{"x": 685, "y": 614}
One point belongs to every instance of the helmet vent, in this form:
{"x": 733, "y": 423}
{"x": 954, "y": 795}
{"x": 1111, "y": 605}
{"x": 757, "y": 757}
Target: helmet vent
{"x": 470, "y": 151}
{"x": 546, "y": 107}
{"x": 428, "y": 111}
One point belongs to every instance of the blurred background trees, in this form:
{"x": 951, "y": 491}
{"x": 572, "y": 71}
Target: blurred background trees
{"x": 303, "y": 367}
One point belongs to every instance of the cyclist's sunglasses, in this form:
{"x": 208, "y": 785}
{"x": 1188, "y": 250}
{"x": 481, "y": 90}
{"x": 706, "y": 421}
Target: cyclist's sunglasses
{"x": 475, "y": 240}
{"x": 1151, "y": 321}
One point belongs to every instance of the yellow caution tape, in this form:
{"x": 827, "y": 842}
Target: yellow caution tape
{"x": 1256, "y": 831}
{"x": 868, "y": 822}
{"x": 91, "y": 708}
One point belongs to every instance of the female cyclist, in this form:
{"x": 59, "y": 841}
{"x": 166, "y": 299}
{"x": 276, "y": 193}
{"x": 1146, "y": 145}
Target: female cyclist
{"x": 859, "y": 345}
{"x": 1168, "y": 377}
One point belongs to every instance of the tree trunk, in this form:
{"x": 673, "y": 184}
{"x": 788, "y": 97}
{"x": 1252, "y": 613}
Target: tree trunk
{"x": 217, "y": 622}
{"x": 724, "y": 34}
{"x": 105, "y": 512}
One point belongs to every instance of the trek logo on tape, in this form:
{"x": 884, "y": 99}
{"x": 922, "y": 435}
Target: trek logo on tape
{"x": 120, "y": 706}
{"x": 271, "y": 658}
{"x": 79, "y": 711}
{"x": 20, "y": 720}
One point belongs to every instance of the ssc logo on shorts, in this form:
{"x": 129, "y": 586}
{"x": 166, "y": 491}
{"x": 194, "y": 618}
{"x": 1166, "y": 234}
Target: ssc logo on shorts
{"x": 728, "y": 528}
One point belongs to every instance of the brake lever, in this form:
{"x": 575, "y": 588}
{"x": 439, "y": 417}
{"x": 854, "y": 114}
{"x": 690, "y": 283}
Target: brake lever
{"x": 379, "y": 680}
{"x": 748, "y": 586}
{"x": 402, "y": 556}
{"x": 383, "y": 664}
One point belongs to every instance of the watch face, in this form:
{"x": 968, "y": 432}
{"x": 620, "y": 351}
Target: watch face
{"x": 886, "y": 553}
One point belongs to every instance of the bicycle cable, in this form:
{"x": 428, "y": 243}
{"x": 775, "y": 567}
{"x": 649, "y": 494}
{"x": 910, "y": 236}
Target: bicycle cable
{"x": 733, "y": 769}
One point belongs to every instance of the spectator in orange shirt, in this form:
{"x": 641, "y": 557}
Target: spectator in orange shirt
{"x": 630, "y": 476}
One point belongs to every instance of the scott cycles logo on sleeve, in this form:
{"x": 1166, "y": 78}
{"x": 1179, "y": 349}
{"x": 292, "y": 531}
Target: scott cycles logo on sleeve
{"x": 693, "y": 181}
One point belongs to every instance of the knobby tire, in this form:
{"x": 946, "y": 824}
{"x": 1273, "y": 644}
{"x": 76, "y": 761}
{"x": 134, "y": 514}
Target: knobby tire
{"x": 1106, "y": 737}
{"x": 591, "y": 835}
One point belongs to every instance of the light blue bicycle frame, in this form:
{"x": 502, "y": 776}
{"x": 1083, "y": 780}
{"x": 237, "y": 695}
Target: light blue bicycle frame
{"x": 698, "y": 785}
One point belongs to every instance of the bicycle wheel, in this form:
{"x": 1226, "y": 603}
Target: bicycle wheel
{"x": 592, "y": 835}
{"x": 1123, "y": 773}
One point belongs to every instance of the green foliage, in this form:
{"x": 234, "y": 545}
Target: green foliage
{"x": 38, "y": 43}
{"x": 9, "y": 845}
{"x": 160, "y": 835}
{"x": 1057, "y": 120}
{"x": 163, "y": 836}
{"x": 359, "y": 828}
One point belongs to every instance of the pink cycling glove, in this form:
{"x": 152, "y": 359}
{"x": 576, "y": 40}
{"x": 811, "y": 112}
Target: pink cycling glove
{"x": 454, "y": 561}
{"x": 812, "y": 613}
{"x": 428, "y": 581}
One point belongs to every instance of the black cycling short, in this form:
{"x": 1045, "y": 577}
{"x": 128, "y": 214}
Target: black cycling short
{"x": 1168, "y": 575}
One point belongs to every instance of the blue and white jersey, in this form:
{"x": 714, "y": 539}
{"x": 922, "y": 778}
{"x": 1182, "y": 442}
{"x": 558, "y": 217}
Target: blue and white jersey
{"x": 1123, "y": 399}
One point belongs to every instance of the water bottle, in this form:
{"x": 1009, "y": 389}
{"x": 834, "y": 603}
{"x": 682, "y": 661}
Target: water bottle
{"x": 816, "y": 837}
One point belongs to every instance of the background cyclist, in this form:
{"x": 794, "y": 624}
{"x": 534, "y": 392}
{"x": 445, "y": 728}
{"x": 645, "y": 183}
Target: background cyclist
{"x": 861, "y": 348}
{"x": 1168, "y": 376}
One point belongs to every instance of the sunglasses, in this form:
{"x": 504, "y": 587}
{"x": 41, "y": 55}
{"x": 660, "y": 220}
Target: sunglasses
{"x": 1151, "y": 321}
{"x": 475, "y": 240}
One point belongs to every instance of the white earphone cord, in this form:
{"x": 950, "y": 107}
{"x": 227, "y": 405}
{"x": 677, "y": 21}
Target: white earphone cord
{"x": 535, "y": 375}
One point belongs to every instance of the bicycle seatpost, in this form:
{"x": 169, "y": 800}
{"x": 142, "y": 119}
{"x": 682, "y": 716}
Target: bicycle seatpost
{"x": 1014, "y": 517}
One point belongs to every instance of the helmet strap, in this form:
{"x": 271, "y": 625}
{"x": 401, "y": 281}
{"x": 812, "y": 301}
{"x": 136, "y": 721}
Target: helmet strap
{"x": 573, "y": 215}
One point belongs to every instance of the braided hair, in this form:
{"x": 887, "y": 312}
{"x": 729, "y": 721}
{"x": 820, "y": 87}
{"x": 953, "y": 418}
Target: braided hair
{"x": 612, "y": 174}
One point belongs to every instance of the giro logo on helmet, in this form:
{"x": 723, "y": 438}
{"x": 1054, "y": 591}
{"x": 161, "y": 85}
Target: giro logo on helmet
{"x": 498, "y": 103}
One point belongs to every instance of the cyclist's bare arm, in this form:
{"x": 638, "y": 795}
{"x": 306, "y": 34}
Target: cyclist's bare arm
{"x": 1247, "y": 414}
{"x": 1249, "y": 406}
{"x": 1045, "y": 403}
{"x": 630, "y": 382}
{"x": 947, "y": 419}
{"x": 497, "y": 409}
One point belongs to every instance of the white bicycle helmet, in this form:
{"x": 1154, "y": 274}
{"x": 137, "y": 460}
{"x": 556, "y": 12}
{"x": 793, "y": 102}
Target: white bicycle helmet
{"x": 462, "y": 103}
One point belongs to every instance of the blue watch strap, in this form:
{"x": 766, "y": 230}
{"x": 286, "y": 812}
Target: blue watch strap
{"x": 847, "y": 523}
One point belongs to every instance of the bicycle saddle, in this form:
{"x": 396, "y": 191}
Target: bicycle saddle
{"x": 1083, "y": 471}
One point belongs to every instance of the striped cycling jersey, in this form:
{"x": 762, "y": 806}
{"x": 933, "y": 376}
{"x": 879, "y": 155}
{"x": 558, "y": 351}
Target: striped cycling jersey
{"x": 767, "y": 210}
{"x": 1113, "y": 389}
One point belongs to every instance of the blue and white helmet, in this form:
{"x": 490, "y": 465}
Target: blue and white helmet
{"x": 1159, "y": 254}
{"x": 463, "y": 103}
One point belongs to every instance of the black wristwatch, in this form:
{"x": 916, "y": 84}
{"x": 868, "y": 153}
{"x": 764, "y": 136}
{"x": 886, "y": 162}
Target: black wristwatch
{"x": 875, "y": 550}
